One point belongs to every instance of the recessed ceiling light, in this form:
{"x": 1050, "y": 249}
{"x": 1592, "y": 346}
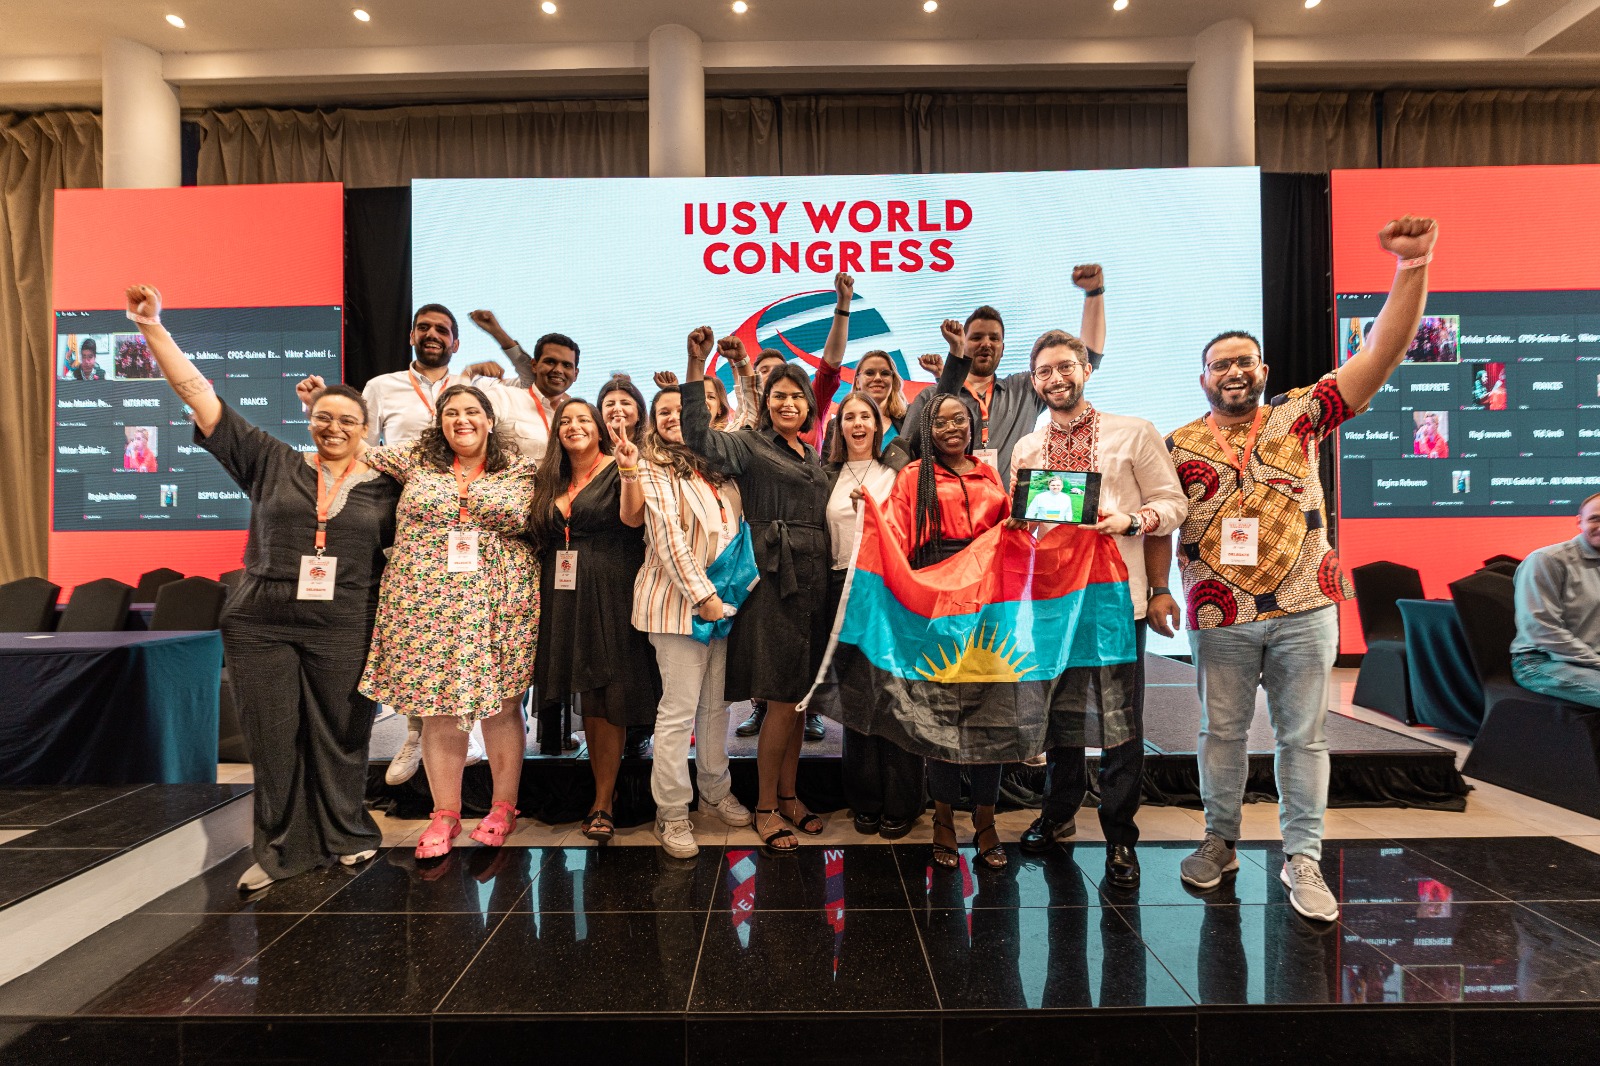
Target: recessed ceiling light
{"x": 547, "y": 7}
{"x": 931, "y": 6}
{"x": 1501, "y": 3}
{"x": 1120, "y": 5}
{"x": 361, "y": 15}
{"x": 174, "y": 20}
{"x": 740, "y": 7}
{"x": 1312, "y": 3}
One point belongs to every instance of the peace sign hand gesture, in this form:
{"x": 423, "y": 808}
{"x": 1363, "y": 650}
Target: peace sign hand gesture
{"x": 622, "y": 446}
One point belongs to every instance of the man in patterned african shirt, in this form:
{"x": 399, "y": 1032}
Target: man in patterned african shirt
{"x": 1261, "y": 582}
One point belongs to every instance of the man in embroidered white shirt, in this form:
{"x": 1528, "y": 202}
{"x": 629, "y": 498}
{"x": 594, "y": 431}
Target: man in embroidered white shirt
{"x": 1139, "y": 495}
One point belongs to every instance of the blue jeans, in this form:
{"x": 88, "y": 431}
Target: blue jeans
{"x": 1291, "y": 658}
{"x": 1537, "y": 672}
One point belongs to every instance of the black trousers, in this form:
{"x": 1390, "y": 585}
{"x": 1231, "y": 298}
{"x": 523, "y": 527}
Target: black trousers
{"x": 1121, "y": 772}
{"x": 882, "y": 778}
{"x": 307, "y": 730}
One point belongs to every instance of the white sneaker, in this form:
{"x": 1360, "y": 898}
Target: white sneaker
{"x": 475, "y": 749}
{"x": 403, "y": 767}
{"x": 730, "y": 810}
{"x": 1308, "y": 892}
{"x": 254, "y": 879}
{"x": 358, "y": 858}
{"x": 677, "y": 838}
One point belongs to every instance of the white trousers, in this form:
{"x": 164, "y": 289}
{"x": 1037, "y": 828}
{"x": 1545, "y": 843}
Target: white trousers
{"x": 691, "y": 704}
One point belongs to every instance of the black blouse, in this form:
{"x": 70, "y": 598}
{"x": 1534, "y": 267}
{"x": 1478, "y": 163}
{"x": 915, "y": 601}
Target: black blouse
{"x": 776, "y": 483}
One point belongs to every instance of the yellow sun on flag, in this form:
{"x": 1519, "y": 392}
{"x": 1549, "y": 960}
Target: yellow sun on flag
{"x": 985, "y": 656}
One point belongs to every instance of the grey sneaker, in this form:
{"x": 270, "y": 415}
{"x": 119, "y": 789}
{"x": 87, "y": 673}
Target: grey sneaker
{"x": 1308, "y": 892}
{"x": 1209, "y": 862}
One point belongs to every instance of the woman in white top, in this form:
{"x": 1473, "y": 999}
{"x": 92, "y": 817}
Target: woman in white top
{"x": 882, "y": 783}
{"x": 691, "y": 513}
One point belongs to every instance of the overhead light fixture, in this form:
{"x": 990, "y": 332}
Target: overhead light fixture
{"x": 1501, "y": 3}
{"x": 361, "y": 16}
{"x": 174, "y": 20}
{"x": 1120, "y": 5}
{"x": 547, "y": 7}
{"x": 740, "y": 7}
{"x": 931, "y": 6}
{"x": 1312, "y": 3}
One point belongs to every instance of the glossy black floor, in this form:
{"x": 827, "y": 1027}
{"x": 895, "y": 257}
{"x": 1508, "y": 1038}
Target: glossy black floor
{"x": 1463, "y": 950}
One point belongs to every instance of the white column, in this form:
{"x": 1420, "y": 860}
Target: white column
{"x": 139, "y": 117}
{"x": 677, "y": 104}
{"x": 1222, "y": 96}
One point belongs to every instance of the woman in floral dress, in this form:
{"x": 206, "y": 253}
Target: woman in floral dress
{"x": 458, "y": 611}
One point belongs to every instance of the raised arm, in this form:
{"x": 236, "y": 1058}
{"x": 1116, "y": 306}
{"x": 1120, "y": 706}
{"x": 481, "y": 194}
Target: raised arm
{"x": 486, "y": 321}
{"x": 144, "y": 307}
{"x": 1410, "y": 240}
{"x": 1092, "y": 328}
{"x": 627, "y": 455}
{"x": 728, "y": 452}
{"x": 839, "y": 333}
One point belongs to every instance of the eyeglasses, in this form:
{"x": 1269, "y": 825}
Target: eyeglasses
{"x": 958, "y": 422}
{"x": 1243, "y": 362}
{"x": 326, "y": 420}
{"x": 1066, "y": 370}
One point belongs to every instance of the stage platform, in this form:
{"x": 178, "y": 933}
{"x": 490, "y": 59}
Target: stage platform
{"x": 1370, "y": 766}
{"x": 1483, "y": 950}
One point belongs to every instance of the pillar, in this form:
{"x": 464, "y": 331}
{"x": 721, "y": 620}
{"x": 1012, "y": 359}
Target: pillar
{"x": 143, "y": 145}
{"x": 677, "y": 104}
{"x": 1222, "y": 96}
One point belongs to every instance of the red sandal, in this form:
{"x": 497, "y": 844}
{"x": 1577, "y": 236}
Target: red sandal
{"x": 438, "y": 838}
{"x": 499, "y": 823}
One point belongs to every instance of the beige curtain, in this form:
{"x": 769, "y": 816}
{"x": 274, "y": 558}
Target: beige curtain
{"x": 1491, "y": 127}
{"x": 390, "y": 146}
{"x": 1051, "y": 131}
{"x": 38, "y": 154}
{"x": 1315, "y": 132}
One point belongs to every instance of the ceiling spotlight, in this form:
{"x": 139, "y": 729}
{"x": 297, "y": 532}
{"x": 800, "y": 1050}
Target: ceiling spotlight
{"x": 931, "y": 6}
{"x": 1120, "y": 5}
{"x": 547, "y": 7}
{"x": 361, "y": 16}
{"x": 740, "y": 7}
{"x": 174, "y": 20}
{"x": 1501, "y": 3}
{"x": 1312, "y": 3}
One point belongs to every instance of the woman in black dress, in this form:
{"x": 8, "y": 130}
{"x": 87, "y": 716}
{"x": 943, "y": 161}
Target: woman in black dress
{"x": 781, "y": 632}
{"x": 296, "y": 640}
{"x": 588, "y": 517}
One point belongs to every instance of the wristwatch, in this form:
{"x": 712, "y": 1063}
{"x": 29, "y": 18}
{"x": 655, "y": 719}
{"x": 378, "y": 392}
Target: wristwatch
{"x": 1158, "y": 590}
{"x": 1134, "y": 526}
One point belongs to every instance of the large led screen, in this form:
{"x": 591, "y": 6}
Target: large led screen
{"x": 627, "y": 267}
{"x": 252, "y": 278}
{"x": 1488, "y": 436}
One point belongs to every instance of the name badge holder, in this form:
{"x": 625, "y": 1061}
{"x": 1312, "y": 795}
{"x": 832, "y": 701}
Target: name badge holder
{"x": 461, "y": 543}
{"x": 319, "y": 572}
{"x": 1241, "y": 536}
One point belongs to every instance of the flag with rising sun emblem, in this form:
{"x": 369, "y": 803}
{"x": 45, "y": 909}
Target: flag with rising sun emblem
{"x": 989, "y": 656}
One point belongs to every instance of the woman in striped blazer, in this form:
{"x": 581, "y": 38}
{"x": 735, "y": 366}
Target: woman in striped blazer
{"x": 691, "y": 513}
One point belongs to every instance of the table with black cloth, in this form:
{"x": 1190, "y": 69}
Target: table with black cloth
{"x": 109, "y": 708}
{"x": 1445, "y": 691}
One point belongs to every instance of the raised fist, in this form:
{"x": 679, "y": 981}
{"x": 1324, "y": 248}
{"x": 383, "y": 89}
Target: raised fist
{"x": 144, "y": 301}
{"x": 1088, "y": 276}
{"x": 665, "y": 379}
{"x": 485, "y": 320}
{"x": 487, "y": 369}
{"x": 845, "y": 286}
{"x": 700, "y": 340}
{"x": 933, "y": 363}
{"x": 1409, "y": 237}
{"x": 955, "y": 335}
{"x": 731, "y": 348}
{"x": 308, "y": 389}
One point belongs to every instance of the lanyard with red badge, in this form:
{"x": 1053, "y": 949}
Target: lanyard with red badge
{"x": 317, "y": 572}
{"x": 443, "y": 382}
{"x": 1241, "y": 536}
{"x": 538, "y": 405}
{"x": 462, "y": 543}
{"x": 566, "y": 578}
{"x": 722, "y": 508}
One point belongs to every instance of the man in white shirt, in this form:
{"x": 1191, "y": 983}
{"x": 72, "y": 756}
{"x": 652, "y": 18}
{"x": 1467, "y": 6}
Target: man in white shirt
{"x": 1139, "y": 495}
{"x": 541, "y": 385}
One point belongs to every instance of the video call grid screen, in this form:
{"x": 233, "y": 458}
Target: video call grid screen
{"x": 125, "y": 457}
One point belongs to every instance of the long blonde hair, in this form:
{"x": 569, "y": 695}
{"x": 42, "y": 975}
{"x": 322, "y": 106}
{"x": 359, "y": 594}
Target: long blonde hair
{"x": 895, "y": 407}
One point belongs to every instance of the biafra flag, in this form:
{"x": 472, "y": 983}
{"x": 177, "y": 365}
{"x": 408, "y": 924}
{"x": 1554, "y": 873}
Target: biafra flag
{"x": 986, "y": 656}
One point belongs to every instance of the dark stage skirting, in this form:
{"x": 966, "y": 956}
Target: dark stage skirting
{"x": 1371, "y": 767}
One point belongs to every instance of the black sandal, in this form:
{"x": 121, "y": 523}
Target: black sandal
{"x": 943, "y": 854}
{"x": 598, "y": 826}
{"x": 771, "y": 839}
{"x": 993, "y": 857}
{"x": 810, "y": 825}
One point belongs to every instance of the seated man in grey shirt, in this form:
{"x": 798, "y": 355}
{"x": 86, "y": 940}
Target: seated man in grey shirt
{"x": 1557, "y": 647}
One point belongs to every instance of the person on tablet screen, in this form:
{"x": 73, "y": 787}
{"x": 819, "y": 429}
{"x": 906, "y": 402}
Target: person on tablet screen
{"x": 1053, "y": 505}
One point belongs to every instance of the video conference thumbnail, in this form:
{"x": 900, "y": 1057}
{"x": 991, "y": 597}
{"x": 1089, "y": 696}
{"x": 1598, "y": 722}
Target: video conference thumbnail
{"x": 1495, "y": 410}
{"x": 125, "y": 457}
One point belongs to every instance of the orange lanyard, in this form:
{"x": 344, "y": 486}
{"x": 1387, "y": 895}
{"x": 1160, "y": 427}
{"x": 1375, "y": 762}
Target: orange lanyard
{"x": 1240, "y": 462}
{"x": 418, "y": 388}
{"x": 571, "y": 497}
{"x": 538, "y": 405}
{"x": 983, "y": 408}
{"x": 715, "y": 495}
{"x": 325, "y": 501}
{"x": 464, "y": 485}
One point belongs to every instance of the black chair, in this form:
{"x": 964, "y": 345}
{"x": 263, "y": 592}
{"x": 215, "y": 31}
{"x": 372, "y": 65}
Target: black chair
{"x": 97, "y": 607}
{"x": 190, "y": 603}
{"x": 1383, "y": 683}
{"x": 150, "y": 583}
{"x": 1538, "y": 745}
{"x": 1502, "y": 564}
{"x": 28, "y": 605}
{"x": 233, "y": 578}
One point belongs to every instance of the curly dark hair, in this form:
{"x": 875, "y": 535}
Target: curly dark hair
{"x": 929, "y": 541}
{"x": 555, "y": 474}
{"x": 436, "y": 449}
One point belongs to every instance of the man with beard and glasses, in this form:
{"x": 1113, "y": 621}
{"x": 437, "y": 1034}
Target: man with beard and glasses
{"x": 400, "y": 406}
{"x": 1008, "y": 408}
{"x": 1261, "y": 581}
{"x": 1139, "y": 497}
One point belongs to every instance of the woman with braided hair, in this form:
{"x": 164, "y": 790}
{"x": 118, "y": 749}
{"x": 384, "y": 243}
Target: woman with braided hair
{"x": 939, "y": 505}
